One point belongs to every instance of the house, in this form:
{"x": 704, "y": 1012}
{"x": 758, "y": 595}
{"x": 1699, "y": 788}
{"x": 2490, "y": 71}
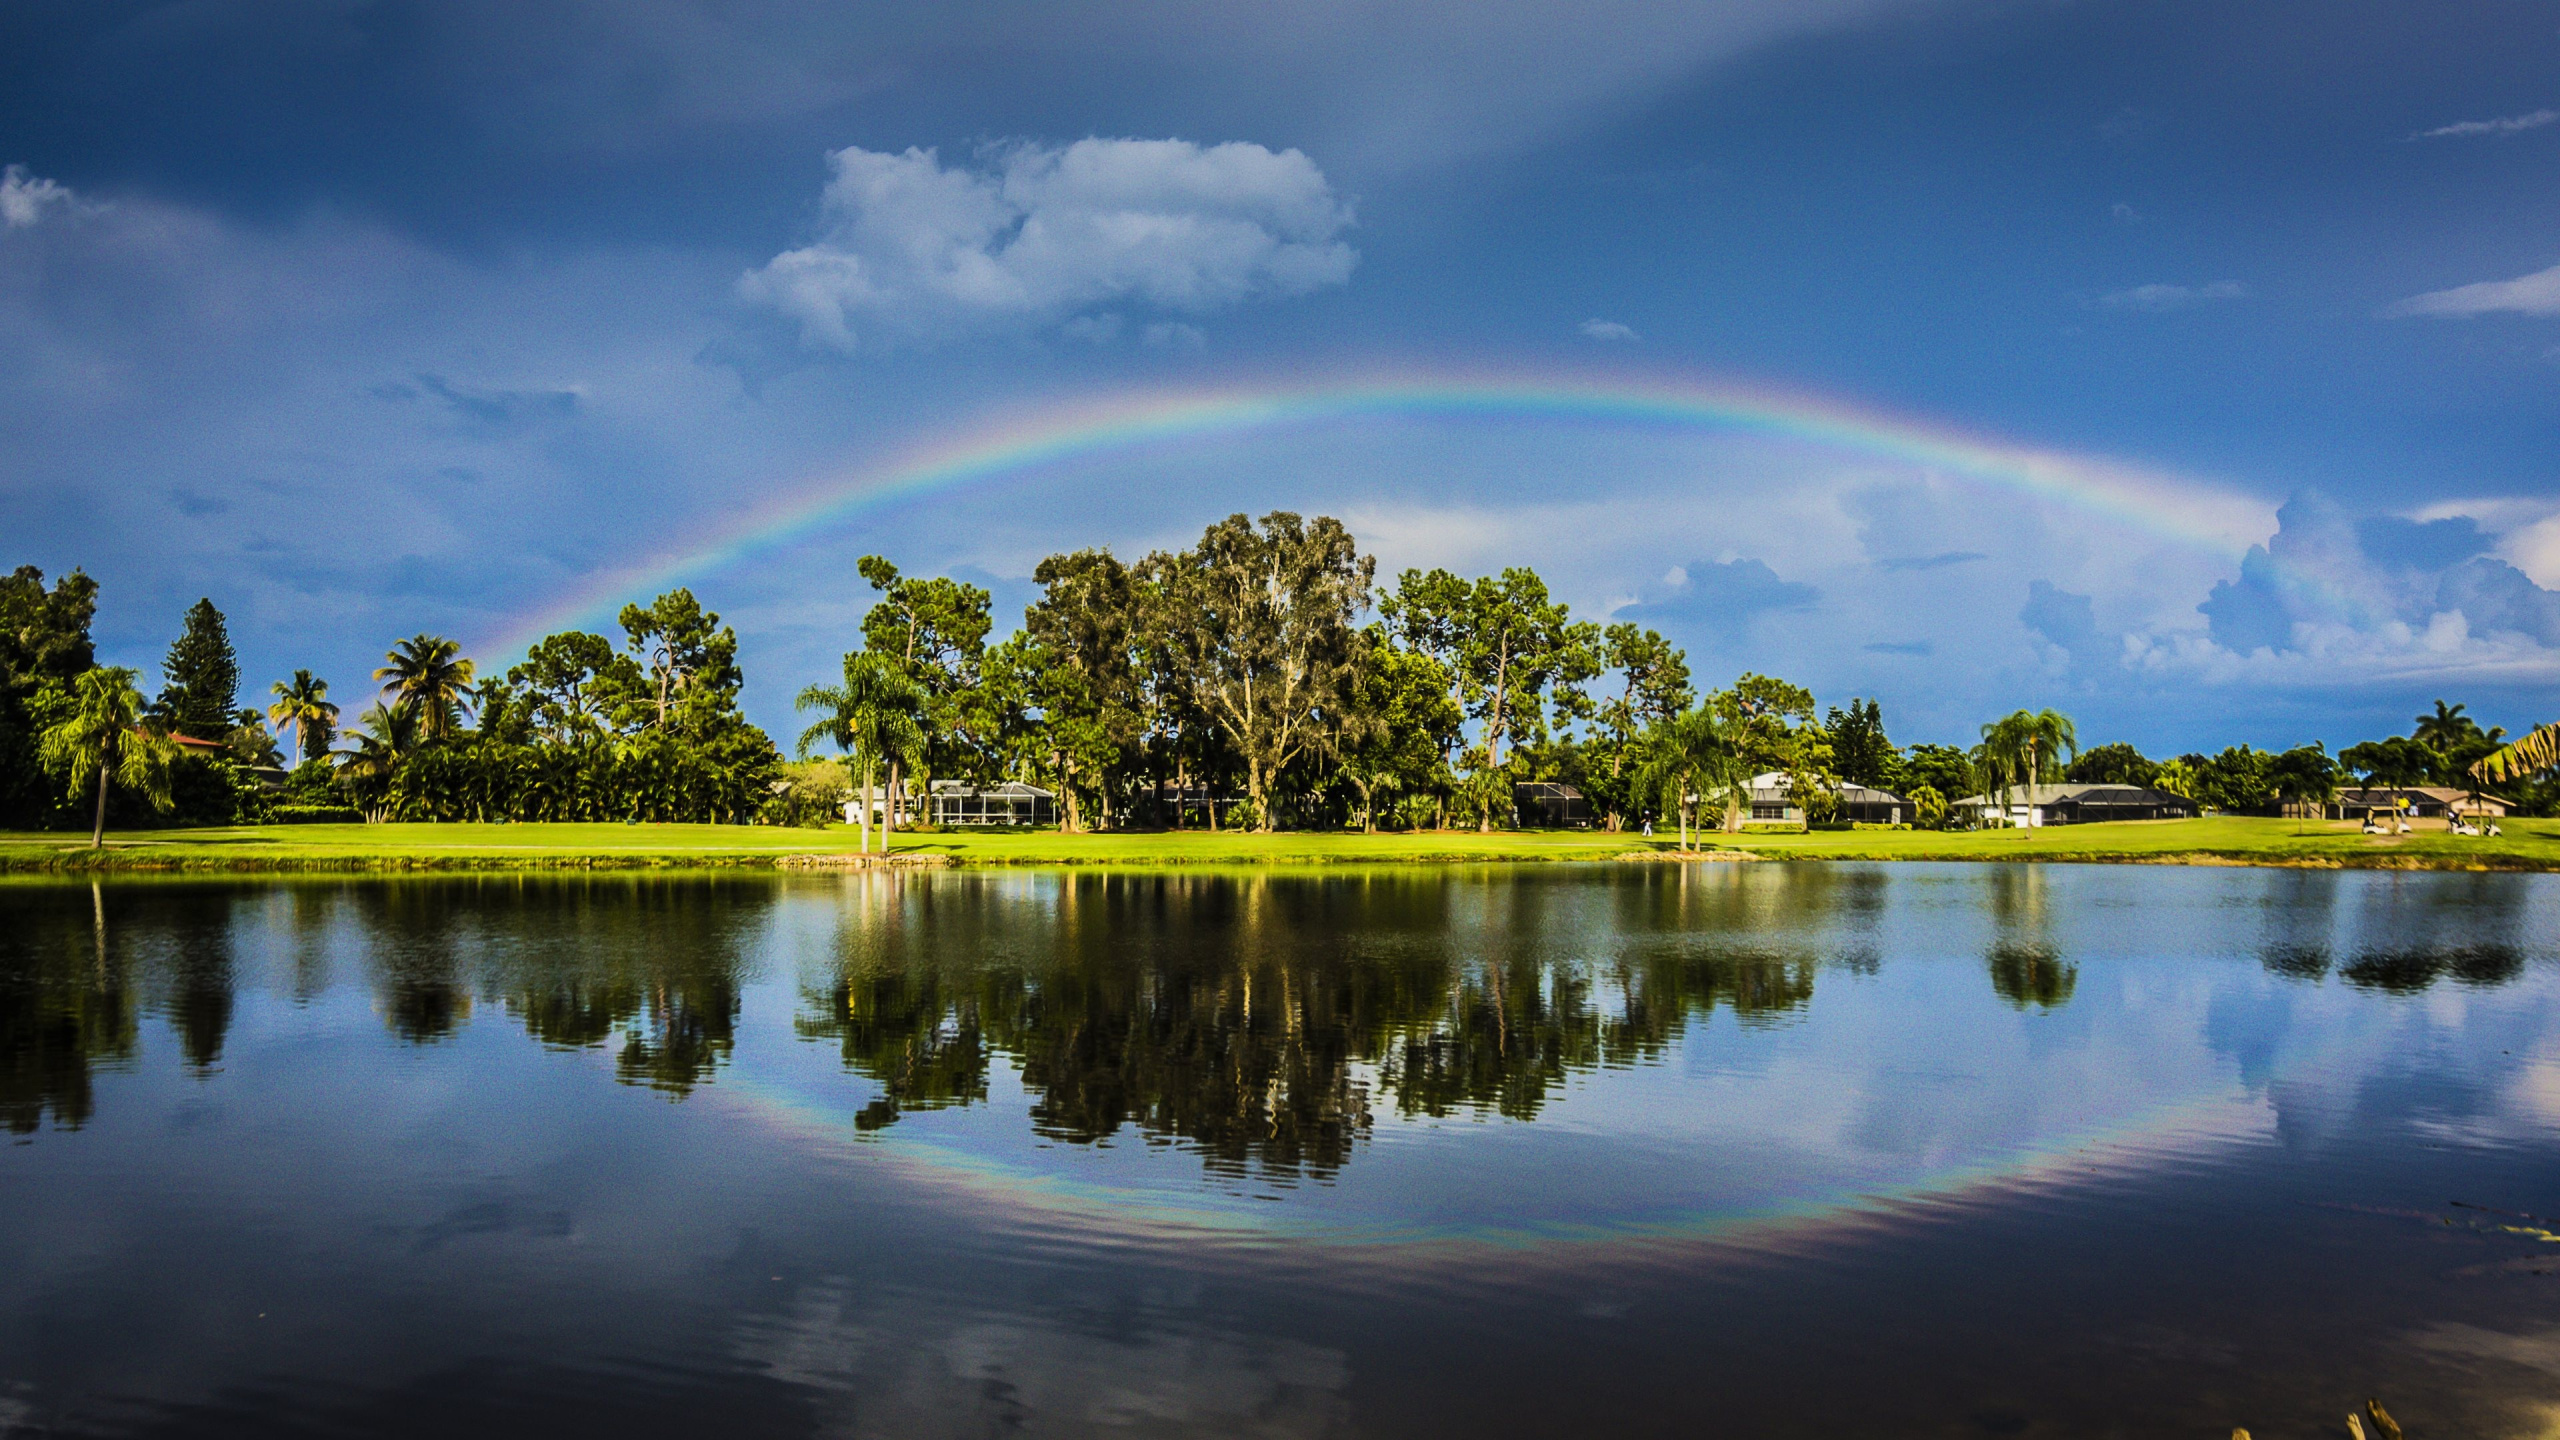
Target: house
{"x": 2032, "y": 805}
{"x": 953, "y": 802}
{"x": 1540, "y": 804}
{"x": 266, "y": 777}
{"x": 1771, "y": 800}
{"x": 1186, "y": 805}
{"x": 2418, "y": 802}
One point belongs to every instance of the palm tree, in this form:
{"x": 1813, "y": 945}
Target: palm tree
{"x": 2000, "y": 760}
{"x": 105, "y": 737}
{"x": 2538, "y": 751}
{"x": 384, "y": 736}
{"x": 1692, "y": 758}
{"x": 2052, "y": 742}
{"x": 2446, "y": 728}
{"x": 2023, "y": 749}
{"x": 303, "y": 703}
{"x": 871, "y": 717}
{"x": 432, "y": 676}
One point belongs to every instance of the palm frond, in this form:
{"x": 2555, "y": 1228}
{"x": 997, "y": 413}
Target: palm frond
{"x": 2537, "y": 751}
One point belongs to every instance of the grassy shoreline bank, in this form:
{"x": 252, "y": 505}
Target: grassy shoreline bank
{"x": 356, "y": 849}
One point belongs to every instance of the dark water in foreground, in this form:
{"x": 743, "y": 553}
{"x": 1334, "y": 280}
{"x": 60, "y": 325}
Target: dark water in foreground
{"x": 1745, "y": 1150}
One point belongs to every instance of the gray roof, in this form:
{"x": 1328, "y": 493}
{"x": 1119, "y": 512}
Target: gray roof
{"x": 1774, "y": 786}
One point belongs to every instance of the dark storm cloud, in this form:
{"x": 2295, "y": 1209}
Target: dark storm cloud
{"x": 1939, "y": 561}
{"x": 471, "y": 119}
{"x": 501, "y": 409}
{"x": 1722, "y": 599}
{"x": 2061, "y": 617}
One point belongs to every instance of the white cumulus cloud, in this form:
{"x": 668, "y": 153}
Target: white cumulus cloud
{"x": 2507, "y": 126}
{"x": 2534, "y": 294}
{"x": 2172, "y": 297}
{"x": 1033, "y": 233}
{"x": 24, "y": 197}
{"x": 1608, "y": 330}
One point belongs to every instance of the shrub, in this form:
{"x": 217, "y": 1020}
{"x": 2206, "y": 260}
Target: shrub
{"x": 313, "y": 815}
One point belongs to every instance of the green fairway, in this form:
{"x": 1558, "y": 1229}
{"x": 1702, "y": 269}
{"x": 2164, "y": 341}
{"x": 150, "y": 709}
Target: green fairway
{"x": 2527, "y": 844}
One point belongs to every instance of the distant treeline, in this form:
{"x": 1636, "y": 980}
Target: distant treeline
{"x": 1260, "y": 679}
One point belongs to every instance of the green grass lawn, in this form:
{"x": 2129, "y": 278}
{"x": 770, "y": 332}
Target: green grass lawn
{"x": 2527, "y": 844}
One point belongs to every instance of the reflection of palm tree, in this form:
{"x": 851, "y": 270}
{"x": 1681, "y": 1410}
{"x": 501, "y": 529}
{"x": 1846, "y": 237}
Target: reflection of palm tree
{"x": 874, "y": 717}
{"x": 104, "y": 737}
{"x": 431, "y": 676}
{"x": 2026, "y": 968}
{"x": 2031, "y": 975}
{"x": 303, "y": 704}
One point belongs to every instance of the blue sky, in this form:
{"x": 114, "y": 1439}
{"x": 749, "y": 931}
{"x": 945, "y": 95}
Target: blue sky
{"x": 366, "y": 318}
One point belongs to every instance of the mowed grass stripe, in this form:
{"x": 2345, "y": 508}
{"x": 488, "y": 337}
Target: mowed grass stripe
{"x": 2525, "y": 845}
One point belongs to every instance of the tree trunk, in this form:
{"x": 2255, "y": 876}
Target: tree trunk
{"x": 862, "y": 814}
{"x": 1493, "y": 726}
{"x": 889, "y": 812}
{"x": 1253, "y": 787}
{"x": 98, "y": 826}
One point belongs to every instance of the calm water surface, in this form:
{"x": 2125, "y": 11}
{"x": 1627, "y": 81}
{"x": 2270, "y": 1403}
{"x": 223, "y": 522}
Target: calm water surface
{"x": 1732, "y": 1150}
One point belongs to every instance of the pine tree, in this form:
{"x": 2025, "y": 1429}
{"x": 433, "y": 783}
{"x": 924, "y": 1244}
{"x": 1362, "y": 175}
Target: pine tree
{"x": 204, "y": 676}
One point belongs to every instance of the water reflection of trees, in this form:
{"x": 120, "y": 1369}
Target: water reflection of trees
{"x": 651, "y": 968}
{"x": 2032, "y": 975}
{"x": 66, "y": 1008}
{"x": 654, "y": 963}
{"x": 2406, "y": 972}
{"x": 2027, "y": 968}
{"x": 1258, "y": 1021}
{"x": 647, "y": 965}
{"x": 2404, "y": 934}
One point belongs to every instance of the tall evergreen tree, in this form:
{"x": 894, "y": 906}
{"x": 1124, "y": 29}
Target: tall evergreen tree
{"x": 203, "y": 691}
{"x": 1860, "y": 751}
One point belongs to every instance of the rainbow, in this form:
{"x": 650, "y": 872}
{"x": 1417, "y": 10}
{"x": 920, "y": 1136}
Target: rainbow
{"x": 1167, "y": 1199}
{"x": 2176, "y": 509}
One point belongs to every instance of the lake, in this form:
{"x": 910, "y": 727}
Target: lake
{"x": 1633, "y": 1150}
